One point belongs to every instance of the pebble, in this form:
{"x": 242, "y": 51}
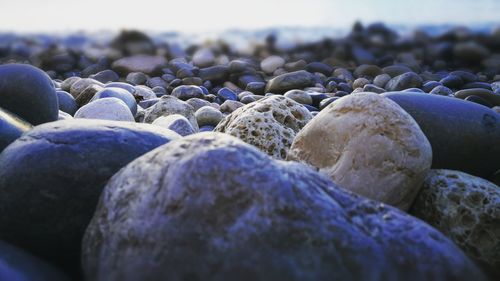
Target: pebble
{"x": 458, "y": 143}
{"x": 467, "y": 210}
{"x": 66, "y": 102}
{"x": 299, "y": 96}
{"x": 271, "y": 63}
{"x": 46, "y": 210}
{"x": 168, "y": 105}
{"x": 290, "y": 81}
{"x": 106, "y": 109}
{"x": 28, "y": 92}
{"x": 11, "y": 128}
{"x": 197, "y": 103}
{"x": 381, "y": 80}
{"x": 207, "y": 115}
{"x": 176, "y": 123}
{"x": 225, "y": 94}
{"x": 441, "y": 90}
{"x": 230, "y": 106}
{"x": 270, "y": 124}
{"x": 186, "y": 92}
{"x": 274, "y": 216}
{"x": 404, "y": 81}
{"x": 136, "y": 78}
{"x": 369, "y": 139}
{"x": 488, "y": 95}
{"x": 105, "y": 76}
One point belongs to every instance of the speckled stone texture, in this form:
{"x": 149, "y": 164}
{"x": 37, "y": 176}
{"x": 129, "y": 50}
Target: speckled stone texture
{"x": 367, "y": 144}
{"x": 467, "y": 210}
{"x": 168, "y": 105}
{"x": 270, "y": 124}
{"x": 211, "y": 207}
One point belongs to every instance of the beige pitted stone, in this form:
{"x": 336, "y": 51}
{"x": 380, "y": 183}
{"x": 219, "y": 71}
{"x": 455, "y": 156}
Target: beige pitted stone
{"x": 270, "y": 124}
{"x": 168, "y": 105}
{"x": 467, "y": 210}
{"x": 369, "y": 145}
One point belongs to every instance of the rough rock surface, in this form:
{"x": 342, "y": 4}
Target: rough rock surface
{"x": 269, "y": 124}
{"x": 467, "y": 210}
{"x": 229, "y": 220}
{"x": 369, "y": 145}
{"x": 168, "y": 105}
{"x": 51, "y": 179}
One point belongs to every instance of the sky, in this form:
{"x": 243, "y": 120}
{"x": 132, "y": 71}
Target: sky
{"x": 213, "y": 15}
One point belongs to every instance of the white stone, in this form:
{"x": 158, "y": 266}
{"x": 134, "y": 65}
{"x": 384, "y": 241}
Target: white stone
{"x": 271, "y": 63}
{"x": 369, "y": 145}
{"x": 106, "y": 109}
{"x": 203, "y": 57}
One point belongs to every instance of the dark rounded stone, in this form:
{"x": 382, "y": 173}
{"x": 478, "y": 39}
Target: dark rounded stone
{"x": 319, "y": 67}
{"x": 479, "y": 100}
{"x": 466, "y": 76}
{"x": 344, "y": 87}
{"x": 372, "y": 88}
{"x": 136, "y": 78}
{"x": 290, "y": 81}
{"x": 404, "y": 81}
{"x": 395, "y": 70}
{"x": 441, "y": 90}
{"x": 488, "y": 95}
{"x": 28, "y": 92}
{"x": 367, "y": 70}
{"x": 310, "y": 108}
{"x": 214, "y": 73}
{"x": 317, "y": 97}
{"x": 324, "y": 103}
{"x": 46, "y": 208}
{"x": 185, "y": 92}
{"x": 228, "y": 220}
{"x": 452, "y": 81}
{"x": 430, "y": 85}
{"x": 465, "y": 144}
{"x": 257, "y": 88}
{"x": 156, "y": 82}
{"x": 18, "y": 265}
{"x": 67, "y": 102}
{"x": 11, "y": 128}
{"x": 119, "y": 93}
{"x": 477, "y": 85}
{"x": 226, "y": 94}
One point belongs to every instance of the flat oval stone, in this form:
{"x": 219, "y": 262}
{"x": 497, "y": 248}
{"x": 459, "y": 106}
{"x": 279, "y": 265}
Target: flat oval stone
{"x": 289, "y": 81}
{"x": 11, "y": 128}
{"x": 106, "y": 109}
{"x": 488, "y": 95}
{"x": 241, "y": 213}
{"x": 46, "y": 209}
{"x": 207, "y": 115}
{"x": 28, "y": 92}
{"x": 404, "y": 81}
{"x": 185, "y": 92}
{"x": 468, "y": 144}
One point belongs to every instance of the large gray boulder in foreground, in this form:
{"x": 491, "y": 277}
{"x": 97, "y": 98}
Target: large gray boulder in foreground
{"x": 211, "y": 207}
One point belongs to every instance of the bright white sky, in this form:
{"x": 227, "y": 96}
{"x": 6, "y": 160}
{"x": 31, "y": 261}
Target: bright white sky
{"x": 212, "y": 15}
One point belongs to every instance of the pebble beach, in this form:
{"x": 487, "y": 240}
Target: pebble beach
{"x": 370, "y": 156}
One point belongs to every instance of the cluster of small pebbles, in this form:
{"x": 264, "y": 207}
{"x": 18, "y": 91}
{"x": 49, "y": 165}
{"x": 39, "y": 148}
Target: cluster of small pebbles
{"x": 369, "y": 157}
